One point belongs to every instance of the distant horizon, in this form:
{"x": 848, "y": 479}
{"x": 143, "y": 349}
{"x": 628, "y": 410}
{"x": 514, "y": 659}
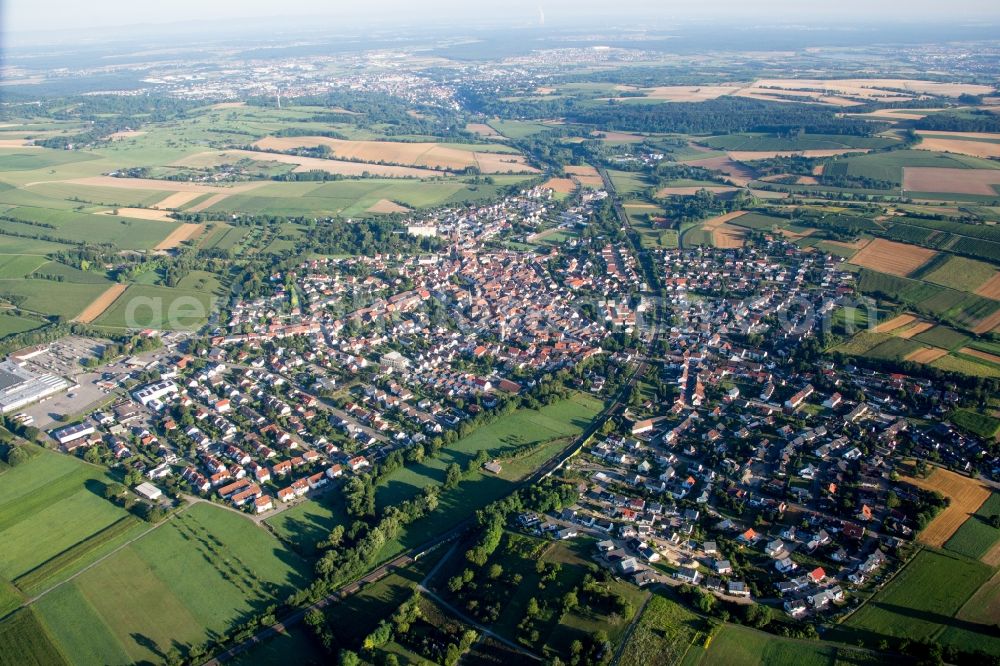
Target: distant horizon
{"x": 285, "y": 29}
{"x": 52, "y": 17}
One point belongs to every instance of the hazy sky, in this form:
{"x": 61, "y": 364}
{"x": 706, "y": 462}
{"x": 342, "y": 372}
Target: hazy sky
{"x": 34, "y": 15}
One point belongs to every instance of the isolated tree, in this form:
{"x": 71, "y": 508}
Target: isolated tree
{"x": 16, "y": 455}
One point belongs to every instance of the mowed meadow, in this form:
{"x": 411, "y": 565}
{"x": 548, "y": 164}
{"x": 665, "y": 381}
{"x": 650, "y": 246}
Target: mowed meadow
{"x": 100, "y": 586}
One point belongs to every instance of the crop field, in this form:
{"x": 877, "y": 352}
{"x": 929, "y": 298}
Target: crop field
{"x": 518, "y": 129}
{"x": 895, "y": 349}
{"x": 982, "y": 425}
{"x": 966, "y": 366}
{"x": 351, "y": 197}
{"x": 171, "y": 308}
{"x": 892, "y": 258}
{"x": 942, "y": 336}
{"x": 66, "y": 300}
{"x": 586, "y": 175}
{"x": 962, "y": 181}
{"x": 488, "y": 158}
{"x": 966, "y": 496}
{"x": 976, "y": 537}
{"x": 101, "y": 303}
{"x": 922, "y": 600}
{"x": 889, "y": 166}
{"x": 862, "y": 343}
{"x": 192, "y": 577}
{"x": 627, "y": 182}
{"x": 663, "y": 635}
{"x": 967, "y": 143}
{"x": 991, "y": 288}
{"x": 342, "y": 167}
{"x": 24, "y": 640}
{"x": 766, "y": 142}
{"x": 59, "y": 492}
{"x": 962, "y": 274}
{"x": 72, "y": 227}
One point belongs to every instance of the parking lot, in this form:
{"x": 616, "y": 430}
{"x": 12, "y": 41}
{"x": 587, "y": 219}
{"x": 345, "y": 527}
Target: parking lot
{"x": 93, "y": 387}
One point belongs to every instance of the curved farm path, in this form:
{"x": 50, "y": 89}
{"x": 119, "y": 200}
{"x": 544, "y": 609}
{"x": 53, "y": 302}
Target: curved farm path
{"x": 101, "y": 303}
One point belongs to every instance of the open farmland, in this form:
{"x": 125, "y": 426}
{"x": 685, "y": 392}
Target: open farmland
{"x": 922, "y": 600}
{"x": 24, "y": 640}
{"x": 150, "y": 306}
{"x": 962, "y": 181}
{"x": 734, "y": 645}
{"x": 892, "y": 258}
{"x": 301, "y": 163}
{"x": 966, "y": 496}
{"x": 977, "y": 144}
{"x": 962, "y": 274}
{"x": 101, "y": 303}
{"x": 490, "y": 158}
{"x": 193, "y": 576}
{"x": 55, "y": 490}
{"x": 976, "y": 537}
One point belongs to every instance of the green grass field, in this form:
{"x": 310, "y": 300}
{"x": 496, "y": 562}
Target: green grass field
{"x": 171, "y": 308}
{"x": 12, "y": 324}
{"x": 766, "y": 142}
{"x": 122, "y": 232}
{"x": 889, "y": 166}
{"x": 944, "y": 337}
{"x": 663, "y": 635}
{"x": 976, "y": 536}
{"x": 734, "y": 645}
{"x": 191, "y": 578}
{"x": 961, "y": 273}
{"x": 542, "y": 433}
{"x": 64, "y": 299}
{"x": 967, "y": 365}
{"x": 59, "y": 492}
{"x": 24, "y": 641}
{"x": 922, "y": 600}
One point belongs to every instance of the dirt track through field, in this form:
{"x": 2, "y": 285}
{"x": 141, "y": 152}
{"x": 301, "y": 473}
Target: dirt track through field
{"x": 892, "y": 258}
{"x": 179, "y": 235}
{"x": 966, "y": 495}
{"x": 100, "y": 304}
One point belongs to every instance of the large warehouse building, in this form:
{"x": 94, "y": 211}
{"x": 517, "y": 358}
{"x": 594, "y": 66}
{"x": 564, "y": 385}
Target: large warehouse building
{"x": 20, "y": 387}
